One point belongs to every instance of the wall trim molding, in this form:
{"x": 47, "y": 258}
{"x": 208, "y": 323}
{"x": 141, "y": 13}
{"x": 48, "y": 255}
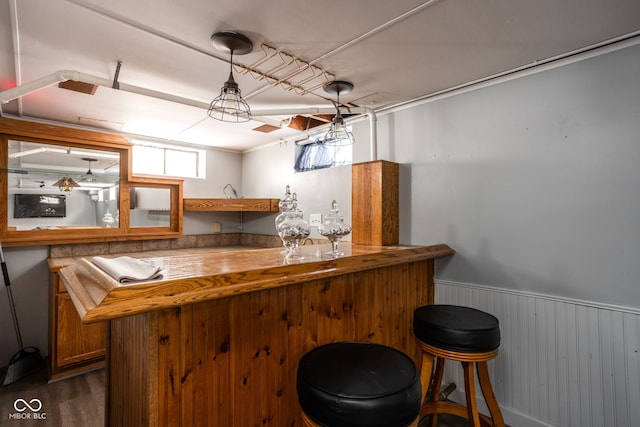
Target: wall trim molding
{"x": 562, "y": 361}
{"x": 512, "y": 417}
{"x": 566, "y": 300}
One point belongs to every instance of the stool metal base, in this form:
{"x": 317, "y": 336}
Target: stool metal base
{"x": 433, "y": 379}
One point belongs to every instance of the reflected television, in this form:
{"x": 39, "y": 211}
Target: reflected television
{"x": 40, "y": 206}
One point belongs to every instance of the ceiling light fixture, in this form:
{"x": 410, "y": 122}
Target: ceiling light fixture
{"x": 338, "y": 134}
{"x": 89, "y": 175}
{"x": 229, "y": 106}
{"x": 66, "y": 184}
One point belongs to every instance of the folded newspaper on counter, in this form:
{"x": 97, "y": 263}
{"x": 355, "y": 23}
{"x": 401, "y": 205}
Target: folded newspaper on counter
{"x": 126, "y": 269}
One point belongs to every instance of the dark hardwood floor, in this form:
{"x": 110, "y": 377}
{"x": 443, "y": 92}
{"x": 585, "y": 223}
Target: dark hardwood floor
{"x": 79, "y": 402}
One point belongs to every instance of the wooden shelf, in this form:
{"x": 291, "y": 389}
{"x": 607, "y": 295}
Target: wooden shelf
{"x": 238, "y": 205}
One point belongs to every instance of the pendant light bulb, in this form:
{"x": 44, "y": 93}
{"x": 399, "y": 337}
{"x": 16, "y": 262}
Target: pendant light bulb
{"x": 338, "y": 134}
{"x": 229, "y": 106}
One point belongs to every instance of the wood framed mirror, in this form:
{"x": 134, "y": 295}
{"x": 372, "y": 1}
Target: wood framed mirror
{"x": 154, "y": 206}
{"x": 61, "y": 185}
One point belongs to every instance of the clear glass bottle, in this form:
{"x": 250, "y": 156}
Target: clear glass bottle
{"x": 285, "y": 205}
{"x": 293, "y": 230}
{"x": 108, "y": 219}
{"x": 334, "y": 229}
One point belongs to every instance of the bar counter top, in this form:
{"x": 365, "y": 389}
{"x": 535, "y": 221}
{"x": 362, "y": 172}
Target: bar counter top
{"x": 203, "y": 274}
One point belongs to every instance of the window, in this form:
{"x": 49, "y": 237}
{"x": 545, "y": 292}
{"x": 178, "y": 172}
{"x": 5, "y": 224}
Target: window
{"x": 316, "y": 155}
{"x": 164, "y": 160}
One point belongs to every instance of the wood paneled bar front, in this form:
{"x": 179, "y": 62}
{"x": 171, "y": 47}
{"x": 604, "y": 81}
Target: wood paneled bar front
{"x": 216, "y": 341}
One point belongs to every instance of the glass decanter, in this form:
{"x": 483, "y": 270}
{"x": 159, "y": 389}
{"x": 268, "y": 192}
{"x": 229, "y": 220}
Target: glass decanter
{"x": 334, "y": 229}
{"x": 285, "y": 204}
{"x": 293, "y": 230}
{"x": 108, "y": 219}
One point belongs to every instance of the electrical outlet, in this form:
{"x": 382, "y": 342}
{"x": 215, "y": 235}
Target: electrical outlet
{"x": 315, "y": 220}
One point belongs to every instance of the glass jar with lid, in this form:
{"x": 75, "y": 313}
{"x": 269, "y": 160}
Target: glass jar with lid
{"x": 293, "y": 230}
{"x": 285, "y": 204}
{"x": 334, "y": 229}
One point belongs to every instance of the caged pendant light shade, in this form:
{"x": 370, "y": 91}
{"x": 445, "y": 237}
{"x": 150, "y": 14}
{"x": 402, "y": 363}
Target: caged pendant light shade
{"x": 229, "y": 106}
{"x": 338, "y": 134}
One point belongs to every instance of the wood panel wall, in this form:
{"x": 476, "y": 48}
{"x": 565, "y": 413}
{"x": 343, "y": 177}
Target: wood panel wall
{"x": 132, "y": 360}
{"x": 233, "y": 361}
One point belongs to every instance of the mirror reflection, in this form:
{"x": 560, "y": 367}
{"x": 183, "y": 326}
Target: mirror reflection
{"x": 57, "y": 187}
{"x": 150, "y": 207}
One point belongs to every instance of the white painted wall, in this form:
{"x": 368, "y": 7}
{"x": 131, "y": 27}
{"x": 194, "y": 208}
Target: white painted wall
{"x": 223, "y": 168}
{"x": 266, "y": 173}
{"x": 29, "y": 277}
{"x": 535, "y": 182}
{"x": 562, "y": 362}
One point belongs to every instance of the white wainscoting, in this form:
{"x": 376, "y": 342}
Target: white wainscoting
{"x": 562, "y": 362}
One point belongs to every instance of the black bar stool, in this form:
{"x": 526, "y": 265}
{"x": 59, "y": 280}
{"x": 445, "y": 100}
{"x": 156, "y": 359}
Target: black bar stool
{"x": 463, "y": 334}
{"x": 356, "y": 384}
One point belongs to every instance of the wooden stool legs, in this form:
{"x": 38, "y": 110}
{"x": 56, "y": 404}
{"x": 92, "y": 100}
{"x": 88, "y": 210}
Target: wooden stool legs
{"x": 487, "y": 392}
{"x": 432, "y": 378}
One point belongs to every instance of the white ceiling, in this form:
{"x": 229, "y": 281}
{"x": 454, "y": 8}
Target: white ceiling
{"x": 393, "y": 51}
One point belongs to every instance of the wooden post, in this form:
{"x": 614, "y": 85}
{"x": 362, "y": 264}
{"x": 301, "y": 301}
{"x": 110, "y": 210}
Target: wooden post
{"x": 375, "y": 203}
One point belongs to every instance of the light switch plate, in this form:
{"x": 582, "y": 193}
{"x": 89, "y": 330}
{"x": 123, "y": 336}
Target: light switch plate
{"x": 315, "y": 220}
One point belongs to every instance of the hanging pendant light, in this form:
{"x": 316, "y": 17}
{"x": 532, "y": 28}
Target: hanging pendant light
{"x": 229, "y": 106}
{"x": 89, "y": 178}
{"x": 66, "y": 184}
{"x": 338, "y": 134}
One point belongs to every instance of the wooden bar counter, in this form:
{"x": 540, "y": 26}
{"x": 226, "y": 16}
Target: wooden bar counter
{"x": 216, "y": 341}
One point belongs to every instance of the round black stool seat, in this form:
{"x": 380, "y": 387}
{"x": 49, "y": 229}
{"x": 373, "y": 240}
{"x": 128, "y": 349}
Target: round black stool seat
{"x": 456, "y": 328}
{"x": 354, "y": 384}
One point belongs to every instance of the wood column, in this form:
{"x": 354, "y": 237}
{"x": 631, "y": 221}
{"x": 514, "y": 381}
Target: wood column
{"x": 375, "y": 203}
